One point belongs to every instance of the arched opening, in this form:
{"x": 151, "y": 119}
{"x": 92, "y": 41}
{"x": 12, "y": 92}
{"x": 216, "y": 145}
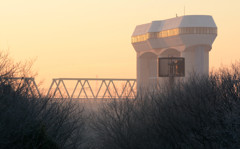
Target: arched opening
{"x": 170, "y": 53}
{"x": 170, "y": 66}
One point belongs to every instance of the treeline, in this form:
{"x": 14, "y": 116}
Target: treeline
{"x": 29, "y": 122}
{"x": 202, "y": 113}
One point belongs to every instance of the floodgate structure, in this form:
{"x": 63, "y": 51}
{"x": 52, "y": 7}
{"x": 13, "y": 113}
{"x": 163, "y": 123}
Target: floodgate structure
{"x": 167, "y": 50}
{"x": 172, "y": 49}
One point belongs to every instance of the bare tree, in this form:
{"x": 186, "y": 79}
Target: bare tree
{"x": 202, "y": 113}
{"x": 29, "y": 122}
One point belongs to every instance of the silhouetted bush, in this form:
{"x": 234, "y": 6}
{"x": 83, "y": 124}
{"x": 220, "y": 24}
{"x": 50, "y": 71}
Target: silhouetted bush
{"x": 201, "y": 113}
{"x": 27, "y": 122}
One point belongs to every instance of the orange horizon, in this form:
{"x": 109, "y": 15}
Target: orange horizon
{"x": 85, "y": 39}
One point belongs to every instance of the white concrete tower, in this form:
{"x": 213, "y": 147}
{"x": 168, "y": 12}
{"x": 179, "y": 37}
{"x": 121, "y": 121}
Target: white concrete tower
{"x": 190, "y": 37}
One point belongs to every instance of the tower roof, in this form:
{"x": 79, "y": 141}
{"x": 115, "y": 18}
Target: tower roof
{"x": 178, "y": 22}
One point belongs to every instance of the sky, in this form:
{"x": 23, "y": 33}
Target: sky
{"x": 92, "y": 38}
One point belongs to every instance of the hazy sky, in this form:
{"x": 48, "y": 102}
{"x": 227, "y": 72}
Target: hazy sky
{"x": 85, "y": 38}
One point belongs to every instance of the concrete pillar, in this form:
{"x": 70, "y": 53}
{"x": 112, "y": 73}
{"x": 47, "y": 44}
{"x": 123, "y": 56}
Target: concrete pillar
{"x": 196, "y": 61}
{"x": 146, "y": 70}
{"x": 202, "y": 60}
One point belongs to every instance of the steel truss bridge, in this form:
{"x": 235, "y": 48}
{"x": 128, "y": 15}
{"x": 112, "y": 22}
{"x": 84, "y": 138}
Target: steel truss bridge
{"x": 84, "y": 88}
{"x": 89, "y": 88}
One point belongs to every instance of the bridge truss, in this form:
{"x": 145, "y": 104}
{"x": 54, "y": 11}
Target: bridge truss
{"x": 89, "y": 88}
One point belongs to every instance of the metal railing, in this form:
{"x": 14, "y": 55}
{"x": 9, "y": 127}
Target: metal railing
{"x": 91, "y": 88}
